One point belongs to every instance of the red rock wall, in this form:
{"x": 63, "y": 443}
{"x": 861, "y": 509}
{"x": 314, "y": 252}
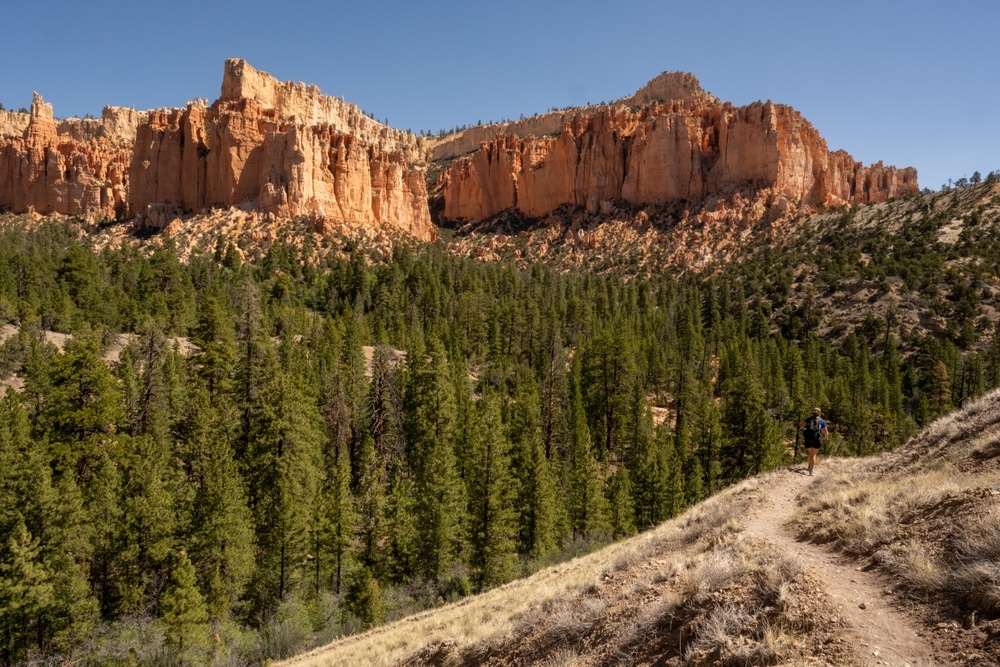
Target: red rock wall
{"x": 46, "y": 172}
{"x": 238, "y": 153}
{"x": 279, "y": 148}
{"x": 662, "y": 153}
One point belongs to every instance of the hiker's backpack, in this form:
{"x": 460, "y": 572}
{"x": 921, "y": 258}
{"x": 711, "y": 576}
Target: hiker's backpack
{"x": 814, "y": 432}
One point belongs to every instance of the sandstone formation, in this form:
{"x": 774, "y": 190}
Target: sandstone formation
{"x": 668, "y": 143}
{"x": 667, "y": 88}
{"x": 49, "y": 171}
{"x": 283, "y": 149}
{"x": 277, "y": 148}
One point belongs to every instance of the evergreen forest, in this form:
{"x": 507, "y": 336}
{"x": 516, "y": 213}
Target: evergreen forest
{"x": 310, "y": 444}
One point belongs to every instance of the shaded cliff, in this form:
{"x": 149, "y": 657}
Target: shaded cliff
{"x": 670, "y": 142}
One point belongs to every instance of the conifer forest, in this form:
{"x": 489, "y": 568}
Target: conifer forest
{"x": 309, "y": 444}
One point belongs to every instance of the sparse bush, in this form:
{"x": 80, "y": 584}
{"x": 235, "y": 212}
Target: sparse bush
{"x": 977, "y": 578}
{"x": 564, "y": 657}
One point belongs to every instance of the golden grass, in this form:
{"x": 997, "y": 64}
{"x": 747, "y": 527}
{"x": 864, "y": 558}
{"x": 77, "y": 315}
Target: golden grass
{"x": 976, "y": 580}
{"x": 564, "y": 657}
{"x": 860, "y": 517}
{"x": 490, "y": 616}
{"x": 871, "y": 506}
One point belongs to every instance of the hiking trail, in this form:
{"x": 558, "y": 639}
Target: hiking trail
{"x": 885, "y": 635}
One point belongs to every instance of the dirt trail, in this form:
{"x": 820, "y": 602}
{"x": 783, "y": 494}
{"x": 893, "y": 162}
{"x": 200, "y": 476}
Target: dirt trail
{"x": 885, "y": 635}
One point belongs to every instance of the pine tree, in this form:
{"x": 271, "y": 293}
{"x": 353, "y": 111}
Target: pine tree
{"x": 491, "y": 495}
{"x": 433, "y": 430}
{"x": 364, "y": 598}
{"x": 284, "y": 466}
{"x": 608, "y": 373}
{"x": 182, "y": 607}
{"x": 940, "y": 389}
{"x": 554, "y": 392}
{"x": 214, "y": 359}
{"x": 370, "y": 509}
{"x": 401, "y": 530}
{"x": 337, "y": 520}
{"x": 752, "y": 439}
{"x": 84, "y": 405}
{"x": 535, "y": 483}
{"x": 588, "y": 512}
{"x": 147, "y": 523}
{"x": 621, "y": 508}
{"x": 221, "y": 533}
{"x": 26, "y": 593}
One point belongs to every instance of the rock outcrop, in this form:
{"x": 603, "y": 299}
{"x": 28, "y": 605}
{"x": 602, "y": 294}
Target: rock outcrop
{"x": 284, "y": 149}
{"x": 668, "y": 143}
{"x": 49, "y": 171}
{"x": 277, "y": 148}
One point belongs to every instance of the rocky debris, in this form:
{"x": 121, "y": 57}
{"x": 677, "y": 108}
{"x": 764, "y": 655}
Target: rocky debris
{"x": 622, "y": 237}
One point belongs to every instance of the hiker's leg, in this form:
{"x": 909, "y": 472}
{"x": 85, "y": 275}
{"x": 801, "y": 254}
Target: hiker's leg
{"x": 812, "y": 457}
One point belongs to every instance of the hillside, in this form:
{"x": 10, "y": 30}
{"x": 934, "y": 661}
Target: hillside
{"x": 926, "y": 263}
{"x": 258, "y": 399}
{"x": 888, "y": 560}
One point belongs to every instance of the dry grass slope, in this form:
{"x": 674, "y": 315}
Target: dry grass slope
{"x": 699, "y": 590}
{"x": 694, "y": 590}
{"x": 928, "y": 515}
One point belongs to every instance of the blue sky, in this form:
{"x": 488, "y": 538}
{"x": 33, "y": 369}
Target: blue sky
{"x": 910, "y": 83}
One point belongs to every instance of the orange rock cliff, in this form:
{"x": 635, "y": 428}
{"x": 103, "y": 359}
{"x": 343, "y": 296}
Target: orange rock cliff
{"x": 286, "y": 149}
{"x": 77, "y": 166}
{"x": 264, "y": 145}
{"x": 668, "y": 142}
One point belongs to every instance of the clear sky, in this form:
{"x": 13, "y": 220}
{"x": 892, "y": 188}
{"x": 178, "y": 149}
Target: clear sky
{"x": 909, "y": 83}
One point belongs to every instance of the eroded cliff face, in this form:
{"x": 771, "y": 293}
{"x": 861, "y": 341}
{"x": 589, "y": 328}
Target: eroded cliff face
{"x": 280, "y": 149}
{"x": 255, "y": 152}
{"x": 78, "y": 171}
{"x": 284, "y": 149}
{"x": 670, "y": 143}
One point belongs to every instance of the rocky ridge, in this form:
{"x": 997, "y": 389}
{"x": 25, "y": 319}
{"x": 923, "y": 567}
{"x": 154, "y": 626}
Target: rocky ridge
{"x": 279, "y": 149}
{"x": 283, "y": 150}
{"x": 668, "y": 143}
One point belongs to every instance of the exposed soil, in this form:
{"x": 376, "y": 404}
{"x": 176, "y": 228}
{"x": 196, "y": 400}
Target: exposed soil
{"x": 881, "y": 627}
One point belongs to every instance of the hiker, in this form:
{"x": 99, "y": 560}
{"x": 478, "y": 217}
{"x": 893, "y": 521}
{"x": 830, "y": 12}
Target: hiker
{"x": 815, "y": 434}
